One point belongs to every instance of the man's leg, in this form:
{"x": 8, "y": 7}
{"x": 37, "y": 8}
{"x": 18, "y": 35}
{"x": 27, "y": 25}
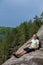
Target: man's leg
{"x": 21, "y": 52}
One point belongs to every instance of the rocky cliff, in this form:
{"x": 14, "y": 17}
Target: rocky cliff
{"x": 33, "y": 58}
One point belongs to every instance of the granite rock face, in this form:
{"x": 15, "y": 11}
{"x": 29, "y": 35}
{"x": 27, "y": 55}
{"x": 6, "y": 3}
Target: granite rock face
{"x": 33, "y": 58}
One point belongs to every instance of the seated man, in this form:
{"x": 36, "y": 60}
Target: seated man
{"x": 34, "y": 45}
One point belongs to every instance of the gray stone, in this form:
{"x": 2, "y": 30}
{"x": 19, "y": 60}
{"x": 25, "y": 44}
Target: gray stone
{"x": 33, "y": 58}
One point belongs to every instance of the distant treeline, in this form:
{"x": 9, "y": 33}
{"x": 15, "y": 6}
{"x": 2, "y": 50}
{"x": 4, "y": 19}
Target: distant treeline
{"x": 17, "y": 36}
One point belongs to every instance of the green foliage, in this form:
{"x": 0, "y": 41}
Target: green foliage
{"x": 17, "y": 36}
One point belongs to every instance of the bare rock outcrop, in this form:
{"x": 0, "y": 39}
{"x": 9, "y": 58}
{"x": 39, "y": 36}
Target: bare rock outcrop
{"x": 33, "y": 58}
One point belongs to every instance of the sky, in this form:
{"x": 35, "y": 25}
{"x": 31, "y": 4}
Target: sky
{"x": 14, "y": 12}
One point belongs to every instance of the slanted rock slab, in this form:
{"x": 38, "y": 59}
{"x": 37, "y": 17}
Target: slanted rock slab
{"x": 33, "y": 58}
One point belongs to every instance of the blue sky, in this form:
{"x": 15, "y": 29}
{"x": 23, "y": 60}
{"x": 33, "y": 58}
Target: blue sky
{"x": 14, "y": 12}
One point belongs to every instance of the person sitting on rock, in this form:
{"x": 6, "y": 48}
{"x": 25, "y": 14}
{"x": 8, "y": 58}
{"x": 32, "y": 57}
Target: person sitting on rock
{"x": 33, "y": 46}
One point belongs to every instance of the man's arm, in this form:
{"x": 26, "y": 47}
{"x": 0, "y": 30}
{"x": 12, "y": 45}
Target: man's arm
{"x": 29, "y": 43}
{"x": 38, "y": 44}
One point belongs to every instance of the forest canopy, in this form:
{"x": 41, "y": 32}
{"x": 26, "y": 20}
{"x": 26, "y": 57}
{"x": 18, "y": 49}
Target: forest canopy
{"x": 15, "y": 37}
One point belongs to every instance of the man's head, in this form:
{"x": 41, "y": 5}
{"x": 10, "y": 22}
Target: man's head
{"x": 35, "y": 36}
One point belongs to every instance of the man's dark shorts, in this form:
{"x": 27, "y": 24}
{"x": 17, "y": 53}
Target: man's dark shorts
{"x": 29, "y": 50}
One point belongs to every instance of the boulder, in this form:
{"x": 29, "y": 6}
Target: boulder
{"x": 33, "y": 58}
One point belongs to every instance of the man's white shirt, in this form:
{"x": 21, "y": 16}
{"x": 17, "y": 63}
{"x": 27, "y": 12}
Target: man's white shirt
{"x": 35, "y": 43}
